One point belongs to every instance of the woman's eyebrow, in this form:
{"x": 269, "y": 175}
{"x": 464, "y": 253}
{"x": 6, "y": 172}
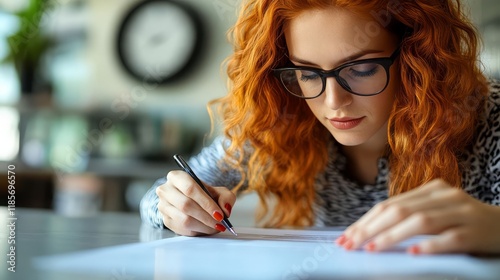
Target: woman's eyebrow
{"x": 345, "y": 60}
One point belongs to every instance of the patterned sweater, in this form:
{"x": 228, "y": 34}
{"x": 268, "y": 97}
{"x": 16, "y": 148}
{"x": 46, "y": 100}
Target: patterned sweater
{"x": 340, "y": 201}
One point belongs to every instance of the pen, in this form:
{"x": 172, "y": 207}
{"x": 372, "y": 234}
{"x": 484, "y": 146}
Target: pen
{"x": 183, "y": 164}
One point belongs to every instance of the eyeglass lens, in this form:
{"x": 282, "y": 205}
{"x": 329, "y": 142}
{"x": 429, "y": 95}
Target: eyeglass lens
{"x": 362, "y": 79}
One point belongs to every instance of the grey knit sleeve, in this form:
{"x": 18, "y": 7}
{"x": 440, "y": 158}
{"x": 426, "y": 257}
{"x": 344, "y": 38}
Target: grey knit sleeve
{"x": 149, "y": 206}
{"x": 207, "y": 167}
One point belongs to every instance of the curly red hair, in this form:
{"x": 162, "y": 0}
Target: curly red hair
{"x": 436, "y": 109}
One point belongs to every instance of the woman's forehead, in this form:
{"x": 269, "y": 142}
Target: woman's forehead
{"x": 336, "y": 33}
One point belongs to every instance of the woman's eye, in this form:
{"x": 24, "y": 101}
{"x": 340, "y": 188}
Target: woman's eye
{"x": 364, "y": 70}
{"x": 307, "y": 76}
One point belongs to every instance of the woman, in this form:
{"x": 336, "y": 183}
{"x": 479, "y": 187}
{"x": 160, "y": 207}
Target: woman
{"x": 367, "y": 114}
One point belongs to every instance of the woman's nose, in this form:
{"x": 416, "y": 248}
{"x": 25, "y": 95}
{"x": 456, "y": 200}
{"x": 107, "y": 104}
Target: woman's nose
{"x": 336, "y": 96}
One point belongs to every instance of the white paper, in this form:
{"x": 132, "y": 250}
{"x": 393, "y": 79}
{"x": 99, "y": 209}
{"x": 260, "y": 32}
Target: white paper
{"x": 266, "y": 254}
{"x": 281, "y": 235}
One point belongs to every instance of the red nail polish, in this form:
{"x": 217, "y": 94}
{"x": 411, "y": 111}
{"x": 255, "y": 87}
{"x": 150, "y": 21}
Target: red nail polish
{"x": 370, "y": 247}
{"x": 217, "y": 216}
{"x": 220, "y": 227}
{"x": 414, "y": 250}
{"x": 228, "y": 208}
{"x": 341, "y": 240}
{"x": 348, "y": 245}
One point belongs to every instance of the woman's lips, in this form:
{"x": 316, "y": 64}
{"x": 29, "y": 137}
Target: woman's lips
{"x": 345, "y": 123}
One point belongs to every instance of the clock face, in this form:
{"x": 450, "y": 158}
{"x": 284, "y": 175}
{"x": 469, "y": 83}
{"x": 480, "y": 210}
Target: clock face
{"x": 158, "y": 40}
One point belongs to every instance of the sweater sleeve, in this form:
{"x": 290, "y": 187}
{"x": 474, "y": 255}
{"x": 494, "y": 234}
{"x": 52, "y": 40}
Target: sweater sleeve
{"x": 208, "y": 167}
{"x": 149, "y": 206}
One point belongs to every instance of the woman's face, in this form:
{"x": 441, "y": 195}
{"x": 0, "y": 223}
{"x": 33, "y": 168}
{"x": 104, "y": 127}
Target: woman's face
{"x": 328, "y": 38}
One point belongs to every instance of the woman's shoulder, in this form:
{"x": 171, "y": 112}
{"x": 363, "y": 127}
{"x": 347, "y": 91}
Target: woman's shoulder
{"x": 481, "y": 177}
{"x": 493, "y": 103}
{"x": 494, "y": 84}
{"x": 488, "y": 127}
{"x": 491, "y": 121}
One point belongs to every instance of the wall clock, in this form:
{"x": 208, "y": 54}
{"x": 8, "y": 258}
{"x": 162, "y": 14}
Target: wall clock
{"x": 159, "y": 40}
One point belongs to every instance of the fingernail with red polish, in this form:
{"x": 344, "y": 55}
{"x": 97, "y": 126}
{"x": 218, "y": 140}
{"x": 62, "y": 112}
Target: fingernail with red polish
{"x": 370, "y": 247}
{"x": 220, "y": 227}
{"x": 340, "y": 241}
{"x": 228, "y": 208}
{"x": 348, "y": 245}
{"x": 414, "y": 250}
{"x": 217, "y": 216}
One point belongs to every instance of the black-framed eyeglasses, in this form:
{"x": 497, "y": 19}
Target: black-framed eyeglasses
{"x": 364, "y": 77}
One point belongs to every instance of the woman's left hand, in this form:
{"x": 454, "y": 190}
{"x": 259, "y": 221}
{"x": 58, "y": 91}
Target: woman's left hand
{"x": 462, "y": 224}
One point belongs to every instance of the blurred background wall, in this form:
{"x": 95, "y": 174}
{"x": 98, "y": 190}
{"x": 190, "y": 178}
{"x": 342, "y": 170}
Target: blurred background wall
{"x": 82, "y": 133}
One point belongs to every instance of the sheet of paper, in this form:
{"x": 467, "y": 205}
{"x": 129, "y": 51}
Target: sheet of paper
{"x": 265, "y": 254}
{"x": 316, "y": 235}
{"x": 281, "y": 235}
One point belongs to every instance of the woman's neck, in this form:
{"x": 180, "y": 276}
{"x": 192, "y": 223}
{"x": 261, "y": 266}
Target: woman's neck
{"x": 362, "y": 160}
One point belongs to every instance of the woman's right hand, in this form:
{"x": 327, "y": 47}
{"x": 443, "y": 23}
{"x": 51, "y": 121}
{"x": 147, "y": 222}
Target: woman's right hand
{"x": 188, "y": 210}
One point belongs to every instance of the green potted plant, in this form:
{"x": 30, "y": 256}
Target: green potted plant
{"x": 28, "y": 44}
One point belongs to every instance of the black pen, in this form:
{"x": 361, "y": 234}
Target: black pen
{"x": 183, "y": 164}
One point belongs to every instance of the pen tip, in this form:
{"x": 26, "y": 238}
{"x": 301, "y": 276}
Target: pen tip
{"x": 233, "y": 232}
